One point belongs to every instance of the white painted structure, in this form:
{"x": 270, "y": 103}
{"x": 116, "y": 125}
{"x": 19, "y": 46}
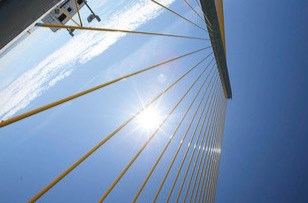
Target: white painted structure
{"x": 59, "y": 14}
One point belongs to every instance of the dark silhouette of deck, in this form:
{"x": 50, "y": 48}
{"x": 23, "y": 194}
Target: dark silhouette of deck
{"x": 17, "y": 15}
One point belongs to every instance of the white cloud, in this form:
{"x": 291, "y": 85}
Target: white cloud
{"x": 79, "y": 49}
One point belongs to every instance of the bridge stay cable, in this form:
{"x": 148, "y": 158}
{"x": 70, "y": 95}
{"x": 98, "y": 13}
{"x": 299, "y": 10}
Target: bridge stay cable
{"x": 171, "y": 137}
{"x": 214, "y": 159}
{"x": 192, "y": 8}
{"x": 69, "y": 16}
{"x": 207, "y": 20}
{"x": 182, "y": 141}
{"x": 200, "y": 133}
{"x": 202, "y": 175}
{"x": 203, "y": 19}
{"x": 201, "y": 167}
{"x": 108, "y": 137}
{"x": 85, "y": 92}
{"x": 101, "y": 29}
{"x": 151, "y": 136}
{"x": 201, "y": 163}
{"x": 198, "y": 142}
{"x": 179, "y": 15}
{"x": 220, "y": 145}
{"x": 208, "y": 171}
{"x": 202, "y": 191}
{"x": 81, "y": 27}
{"x": 207, "y": 135}
{"x": 190, "y": 143}
{"x": 78, "y": 12}
{"x": 209, "y": 165}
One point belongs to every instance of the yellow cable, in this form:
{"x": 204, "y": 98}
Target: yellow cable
{"x": 188, "y": 148}
{"x": 170, "y": 139}
{"x": 149, "y": 139}
{"x": 181, "y": 143}
{"x": 77, "y": 9}
{"x": 102, "y": 142}
{"x": 47, "y": 25}
{"x": 82, "y": 93}
{"x": 177, "y": 14}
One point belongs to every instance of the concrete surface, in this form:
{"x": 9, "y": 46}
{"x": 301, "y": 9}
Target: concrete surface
{"x": 17, "y": 15}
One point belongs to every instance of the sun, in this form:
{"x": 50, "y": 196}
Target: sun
{"x": 149, "y": 119}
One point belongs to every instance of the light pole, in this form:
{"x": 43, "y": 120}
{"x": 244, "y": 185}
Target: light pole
{"x": 93, "y": 15}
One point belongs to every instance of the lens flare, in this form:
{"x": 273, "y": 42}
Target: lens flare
{"x": 149, "y": 119}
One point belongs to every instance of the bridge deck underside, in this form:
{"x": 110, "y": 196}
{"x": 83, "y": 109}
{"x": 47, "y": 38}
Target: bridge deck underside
{"x": 17, "y": 15}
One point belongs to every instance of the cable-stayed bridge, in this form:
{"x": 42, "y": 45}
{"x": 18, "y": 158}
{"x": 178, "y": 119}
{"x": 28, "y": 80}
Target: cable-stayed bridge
{"x": 188, "y": 160}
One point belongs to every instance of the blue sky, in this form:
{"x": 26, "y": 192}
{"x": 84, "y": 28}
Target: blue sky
{"x": 47, "y": 66}
{"x": 264, "y": 155}
{"x": 264, "y": 150}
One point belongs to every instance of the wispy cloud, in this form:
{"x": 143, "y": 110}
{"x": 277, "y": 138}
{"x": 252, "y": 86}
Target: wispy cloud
{"x": 79, "y": 49}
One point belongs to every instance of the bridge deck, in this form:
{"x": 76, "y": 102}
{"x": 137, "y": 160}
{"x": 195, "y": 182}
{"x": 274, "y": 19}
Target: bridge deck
{"x": 17, "y": 15}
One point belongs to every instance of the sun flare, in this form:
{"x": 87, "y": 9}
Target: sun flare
{"x": 149, "y": 119}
